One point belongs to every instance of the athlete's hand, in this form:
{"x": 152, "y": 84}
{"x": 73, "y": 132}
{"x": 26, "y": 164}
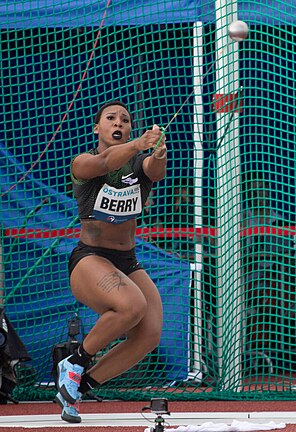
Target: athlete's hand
{"x": 161, "y": 149}
{"x": 155, "y": 165}
{"x": 150, "y": 138}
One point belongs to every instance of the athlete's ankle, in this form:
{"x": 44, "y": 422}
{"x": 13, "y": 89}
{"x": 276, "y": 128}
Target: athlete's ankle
{"x": 87, "y": 383}
{"x": 80, "y": 357}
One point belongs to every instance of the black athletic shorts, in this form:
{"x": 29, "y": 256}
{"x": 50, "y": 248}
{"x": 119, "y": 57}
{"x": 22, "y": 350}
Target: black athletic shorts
{"x": 126, "y": 261}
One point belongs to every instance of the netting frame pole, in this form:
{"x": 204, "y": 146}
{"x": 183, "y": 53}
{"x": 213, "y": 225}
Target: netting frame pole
{"x": 1, "y": 274}
{"x": 198, "y": 175}
{"x": 229, "y": 291}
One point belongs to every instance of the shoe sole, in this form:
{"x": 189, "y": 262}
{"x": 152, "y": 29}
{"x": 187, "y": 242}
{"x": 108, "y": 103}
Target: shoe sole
{"x": 63, "y": 390}
{"x": 70, "y": 419}
{"x": 66, "y": 417}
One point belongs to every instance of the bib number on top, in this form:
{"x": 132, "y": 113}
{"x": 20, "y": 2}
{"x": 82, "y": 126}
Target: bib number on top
{"x": 118, "y": 205}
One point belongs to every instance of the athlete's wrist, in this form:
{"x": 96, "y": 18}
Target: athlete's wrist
{"x": 160, "y": 154}
{"x": 135, "y": 145}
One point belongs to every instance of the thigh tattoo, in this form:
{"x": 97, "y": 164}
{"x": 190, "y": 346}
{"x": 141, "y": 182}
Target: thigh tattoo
{"x": 111, "y": 281}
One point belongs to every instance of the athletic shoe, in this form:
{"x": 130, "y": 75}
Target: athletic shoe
{"x": 70, "y": 412}
{"x": 69, "y": 377}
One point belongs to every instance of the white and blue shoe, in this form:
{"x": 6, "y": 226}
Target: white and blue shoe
{"x": 69, "y": 377}
{"x": 70, "y": 412}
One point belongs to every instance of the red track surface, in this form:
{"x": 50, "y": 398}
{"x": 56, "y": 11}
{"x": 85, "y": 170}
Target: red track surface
{"x": 125, "y": 407}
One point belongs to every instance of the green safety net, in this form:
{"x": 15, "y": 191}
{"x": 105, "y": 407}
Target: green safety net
{"x": 216, "y": 236}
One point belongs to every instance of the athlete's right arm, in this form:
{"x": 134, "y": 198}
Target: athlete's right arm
{"x": 87, "y": 166}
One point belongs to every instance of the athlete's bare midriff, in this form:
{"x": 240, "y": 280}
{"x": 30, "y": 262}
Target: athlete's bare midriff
{"x": 111, "y": 236}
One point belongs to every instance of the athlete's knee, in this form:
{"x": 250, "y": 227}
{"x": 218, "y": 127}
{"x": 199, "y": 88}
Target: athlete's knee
{"x": 133, "y": 312}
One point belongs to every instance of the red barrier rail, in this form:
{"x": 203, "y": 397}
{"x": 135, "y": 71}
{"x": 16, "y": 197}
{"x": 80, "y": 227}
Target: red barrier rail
{"x": 150, "y": 232}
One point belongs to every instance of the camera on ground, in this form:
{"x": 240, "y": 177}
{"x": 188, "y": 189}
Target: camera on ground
{"x": 159, "y": 406}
